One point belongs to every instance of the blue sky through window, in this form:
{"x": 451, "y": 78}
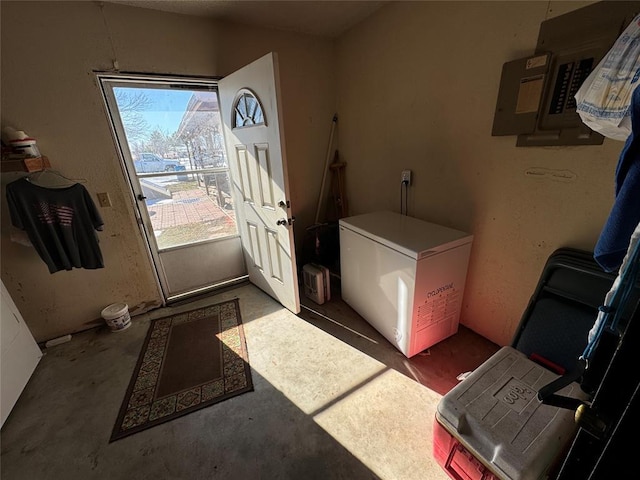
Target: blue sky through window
{"x": 165, "y": 108}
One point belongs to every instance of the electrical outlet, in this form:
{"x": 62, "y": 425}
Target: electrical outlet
{"x": 104, "y": 199}
{"x": 406, "y": 177}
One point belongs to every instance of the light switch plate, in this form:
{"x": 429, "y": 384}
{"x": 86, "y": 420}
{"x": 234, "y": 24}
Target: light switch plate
{"x": 103, "y": 199}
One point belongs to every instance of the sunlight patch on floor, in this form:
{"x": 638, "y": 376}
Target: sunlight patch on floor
{"x": 382, "y": 417}
{"x": 310, "y": 367}
{"x": 387, "y": 424}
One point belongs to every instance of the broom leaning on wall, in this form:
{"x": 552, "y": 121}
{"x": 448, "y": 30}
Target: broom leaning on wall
{"x": 321, "y": 243}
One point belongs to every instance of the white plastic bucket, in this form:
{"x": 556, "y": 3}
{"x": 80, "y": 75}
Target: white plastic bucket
{"x": 117, "y": 316}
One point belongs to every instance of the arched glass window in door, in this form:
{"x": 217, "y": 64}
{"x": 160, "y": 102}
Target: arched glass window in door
{"x": 247, "y": 110}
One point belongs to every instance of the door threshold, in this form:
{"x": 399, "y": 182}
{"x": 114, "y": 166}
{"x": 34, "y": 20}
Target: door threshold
{"x": 192, "y": 295}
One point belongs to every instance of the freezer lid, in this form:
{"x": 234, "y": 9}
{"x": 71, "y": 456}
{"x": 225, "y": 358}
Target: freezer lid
{"x": 408, "y": 235}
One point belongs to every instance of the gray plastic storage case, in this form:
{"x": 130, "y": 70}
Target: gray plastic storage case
{"x": 496, "y": 415}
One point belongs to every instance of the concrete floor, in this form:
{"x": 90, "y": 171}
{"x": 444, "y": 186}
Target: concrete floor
{"x": 332, "y": 400}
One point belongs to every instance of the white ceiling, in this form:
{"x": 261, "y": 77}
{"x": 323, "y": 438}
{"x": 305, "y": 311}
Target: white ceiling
{"x": 324, "y": 18}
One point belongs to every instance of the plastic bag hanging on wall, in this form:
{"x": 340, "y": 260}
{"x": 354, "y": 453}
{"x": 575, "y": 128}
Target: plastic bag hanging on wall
{"x": 604, "y": 99}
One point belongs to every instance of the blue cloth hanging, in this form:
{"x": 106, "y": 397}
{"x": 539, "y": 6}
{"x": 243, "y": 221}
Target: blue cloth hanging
{"x": 625, "y": 213}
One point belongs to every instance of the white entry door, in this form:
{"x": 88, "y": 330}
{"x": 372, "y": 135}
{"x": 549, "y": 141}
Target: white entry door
{"x": 251, "y": 115}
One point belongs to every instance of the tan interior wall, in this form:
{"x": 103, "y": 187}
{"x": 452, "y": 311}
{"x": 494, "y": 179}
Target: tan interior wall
{"x": 417, "y": 84}
{"x": 417, "y": 87}
{"x": 49, "y": 51}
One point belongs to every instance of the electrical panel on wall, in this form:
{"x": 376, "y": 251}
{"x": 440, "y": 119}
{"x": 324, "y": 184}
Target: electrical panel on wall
{"x": 536, "y": 97}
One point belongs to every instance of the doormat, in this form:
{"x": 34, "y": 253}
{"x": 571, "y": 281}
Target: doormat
{"x": 188, "y": 361}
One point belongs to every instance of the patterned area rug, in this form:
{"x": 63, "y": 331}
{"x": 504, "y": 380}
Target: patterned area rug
{"x": 188, "y": 361}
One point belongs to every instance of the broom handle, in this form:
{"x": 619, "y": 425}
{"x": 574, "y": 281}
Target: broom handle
{"x": 326, "y": 168}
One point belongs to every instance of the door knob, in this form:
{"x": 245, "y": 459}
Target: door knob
{"x": 141, "y": 197}
{"x": 285, "y": 221}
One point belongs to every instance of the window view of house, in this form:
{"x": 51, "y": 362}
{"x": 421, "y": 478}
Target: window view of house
{"x": 177, "y": 135}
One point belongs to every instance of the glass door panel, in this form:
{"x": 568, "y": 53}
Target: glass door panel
{"x": 189, "y": 207}
{"x": 178, "y": 133}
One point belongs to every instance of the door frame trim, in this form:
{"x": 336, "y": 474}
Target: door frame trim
{"x": 131, "y": 195}
{"x": 204, "y": 290}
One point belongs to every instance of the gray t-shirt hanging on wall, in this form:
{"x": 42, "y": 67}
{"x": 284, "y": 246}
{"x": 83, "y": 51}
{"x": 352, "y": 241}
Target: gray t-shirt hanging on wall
{"x": 60, "y": 222}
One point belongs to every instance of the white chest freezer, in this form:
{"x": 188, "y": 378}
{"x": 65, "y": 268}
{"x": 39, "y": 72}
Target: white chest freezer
{"x": 404, "y": 276}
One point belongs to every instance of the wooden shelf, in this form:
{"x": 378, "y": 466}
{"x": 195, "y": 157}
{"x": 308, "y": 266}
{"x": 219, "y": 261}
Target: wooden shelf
{"x": 18, "y": 164}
